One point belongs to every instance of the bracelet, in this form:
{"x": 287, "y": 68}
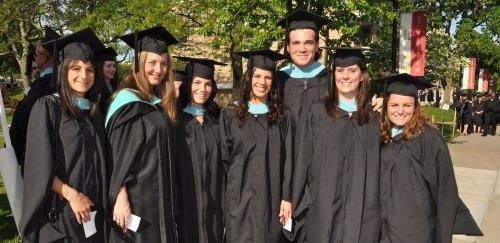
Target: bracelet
{"x": 65, "y": 191}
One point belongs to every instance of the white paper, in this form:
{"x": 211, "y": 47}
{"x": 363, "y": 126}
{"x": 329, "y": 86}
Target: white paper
{"x": 133, "y": 222}
{"x": 89, "y": 226}
{"x": 288, "y": 225}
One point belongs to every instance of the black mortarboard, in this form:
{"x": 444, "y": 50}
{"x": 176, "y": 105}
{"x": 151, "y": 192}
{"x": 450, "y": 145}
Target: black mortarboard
{"x": 81, "y": 45}
{"x": 49, "y": 36}
{"x": 200, "y": 67}
{"x": 264, "y": 59}
{"x": 348, "y": 56}
{"x": 405, "y": 84}
{"x": 301, "y": 19}
{"x": 155, "y": 40}
{"x": 180, "y": 76}
{"x": 108, "y": 54}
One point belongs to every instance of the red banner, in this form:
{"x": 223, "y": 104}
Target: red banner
{"x": 412, "y": 43}
{"x": 486, "y": 80}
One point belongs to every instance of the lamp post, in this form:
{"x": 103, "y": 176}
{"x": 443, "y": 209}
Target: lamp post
{"x": 395, "y": 40}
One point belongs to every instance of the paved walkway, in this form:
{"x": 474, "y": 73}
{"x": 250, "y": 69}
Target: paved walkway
{"x": 476, "y": 161}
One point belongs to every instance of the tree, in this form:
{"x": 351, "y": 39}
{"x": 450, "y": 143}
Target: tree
{"x": 18, "y": 28}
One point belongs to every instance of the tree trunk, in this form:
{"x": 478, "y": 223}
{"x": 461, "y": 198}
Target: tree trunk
{"x": 236, "y": 67}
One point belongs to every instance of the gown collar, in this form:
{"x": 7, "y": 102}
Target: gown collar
{"x": 194, "y": 109}
{"x": 257, "y": 109}
{"x": 310, "y": 71}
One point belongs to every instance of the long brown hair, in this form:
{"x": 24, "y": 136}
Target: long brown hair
{"x": 138, "y": 80}
{"x": 362, "y": 98}
{"x": 65, "y": 92}
{"x": 275, "y": 114}
{"x": 412, "y": 128}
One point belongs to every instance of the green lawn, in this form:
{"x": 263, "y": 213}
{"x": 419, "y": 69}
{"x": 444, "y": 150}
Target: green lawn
{"x": 443, "y": 120}
{"x": 8, "y": 231}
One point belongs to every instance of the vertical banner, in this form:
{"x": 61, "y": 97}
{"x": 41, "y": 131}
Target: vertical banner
{"x": 480, "y": 87}
{"x": 469, "y": 76}
{"x": 486, "y": 80}
{"x": 412, "y": 43}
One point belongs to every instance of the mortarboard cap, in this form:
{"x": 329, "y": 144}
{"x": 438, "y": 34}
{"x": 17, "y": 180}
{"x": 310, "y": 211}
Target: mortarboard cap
{"x": 81, "y": 45}
{"x": 108, "y": 54}
{"x": 264, "y": 59}
{"x": 348, "y": 56}
{"x": 49, "y": 36}
{"x": 200, "y": 67}
{"x": 405, "y": 84}
{"x": 180, "y": 76}
{"x": 301, "y": 19}
{"x": 155, "y": 40}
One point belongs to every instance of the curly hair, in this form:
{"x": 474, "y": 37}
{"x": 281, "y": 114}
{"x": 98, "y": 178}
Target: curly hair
{"x": 275, "y": 114}
{"x": 412, "y": 128}
{"x": 213, "y": 110}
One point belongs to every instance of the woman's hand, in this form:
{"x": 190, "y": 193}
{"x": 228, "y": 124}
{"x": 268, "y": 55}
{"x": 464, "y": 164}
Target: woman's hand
{"x": 285, "y": 212}
{"x": 121, "y": 211}
{"x": 79, "y": 202}
{"x": 377, "y": 104}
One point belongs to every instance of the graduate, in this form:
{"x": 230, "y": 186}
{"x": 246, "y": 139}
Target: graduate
{"x": 139, "y": 126}
{"x": 180, "y": 78}
{"x": 106, "y": 69}
{"x": 339, "y": 154}
{"x": 305, "y": 80}
{"x": 65, "y": 167}
{"x": 199, "y": 121}
{"x": 256, "y": 144}
{"x": 419, "y": 194}
{"x": 44, "y": 85}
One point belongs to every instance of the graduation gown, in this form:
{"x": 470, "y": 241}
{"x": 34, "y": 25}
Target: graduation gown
{"x": 342, "y": 162}
{"x": 258, "y": 161}
{"x": 419, "y": 193}
{"x": 40, "y": 87}
{"x": 203, "y": 165}
{"x": 299, "y": 94}
{"x": 75, "y": 154}
{"x": 140, "y": 157}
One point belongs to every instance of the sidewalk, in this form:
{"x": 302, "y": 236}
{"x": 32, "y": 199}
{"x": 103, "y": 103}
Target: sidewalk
{"x": 476, "y": 161}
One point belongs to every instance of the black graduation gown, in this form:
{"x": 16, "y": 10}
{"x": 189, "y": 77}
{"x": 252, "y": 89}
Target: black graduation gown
{"x": 342, "y": 162}
{"x": 140, "y": 137}
{"x": 258, "y": 161}
{"x": 299, "y": 94}
{"x": 105, "y": 97}
{"x": 79, "y": 149}
{"x": 40, "y": 87}
{"x": 419, "y": 193}
{"x": 207, "y": 175}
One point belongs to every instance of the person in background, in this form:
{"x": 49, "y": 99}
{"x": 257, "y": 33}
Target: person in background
{"x": 106, "y": 71}
{"x": 477, "y": 117}
{"x": 44, "y": 85}
{"x": 491, "y": 115}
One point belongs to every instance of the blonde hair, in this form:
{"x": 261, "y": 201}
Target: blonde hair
{"x": 165, "y": 90}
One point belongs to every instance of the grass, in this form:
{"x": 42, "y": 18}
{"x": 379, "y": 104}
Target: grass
{"x": 443, "y": 120}
{"x": 8, "y": 231}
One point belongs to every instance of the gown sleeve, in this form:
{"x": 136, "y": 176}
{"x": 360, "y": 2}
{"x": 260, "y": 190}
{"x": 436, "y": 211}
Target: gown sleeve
{"x": 225, "y": 138}
{"x": 126, "y": 136}
{"x": 39, "y": 170}
{"x": 288, "y": 168}
{"x": 442, "y": 183}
